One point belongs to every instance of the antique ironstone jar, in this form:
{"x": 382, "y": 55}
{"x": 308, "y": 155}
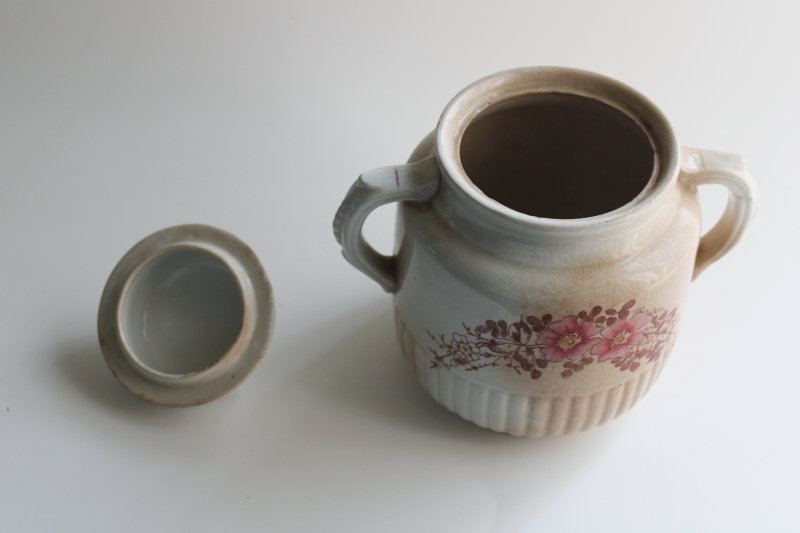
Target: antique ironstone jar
{"x": 547, "y": 233}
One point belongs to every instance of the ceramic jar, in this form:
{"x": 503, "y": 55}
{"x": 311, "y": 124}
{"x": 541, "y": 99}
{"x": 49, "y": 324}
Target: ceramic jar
{"x": 560, "y": 319}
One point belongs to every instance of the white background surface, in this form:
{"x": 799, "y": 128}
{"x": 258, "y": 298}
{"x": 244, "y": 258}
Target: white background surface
{"x": 117, "y": 120}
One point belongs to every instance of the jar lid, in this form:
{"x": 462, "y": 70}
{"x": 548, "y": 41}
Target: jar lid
{"x": 186, "y": 315}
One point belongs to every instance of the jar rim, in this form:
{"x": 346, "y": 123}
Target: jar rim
{"x": 506, "y": 85}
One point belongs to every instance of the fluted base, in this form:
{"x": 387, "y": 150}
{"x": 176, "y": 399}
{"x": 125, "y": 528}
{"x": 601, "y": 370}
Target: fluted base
{"x": 519, "y": 415}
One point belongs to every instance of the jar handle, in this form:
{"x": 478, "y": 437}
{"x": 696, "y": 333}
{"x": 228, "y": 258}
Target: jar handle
{"x": 701, "y": 167}
{"x": 416, "y": 182}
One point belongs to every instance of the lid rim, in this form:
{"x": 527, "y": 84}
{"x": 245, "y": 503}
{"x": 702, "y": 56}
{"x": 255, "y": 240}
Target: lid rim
{"x": 239, "y": 360}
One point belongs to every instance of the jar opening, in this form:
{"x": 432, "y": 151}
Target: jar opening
{"x": 649, "y": 165}
{"x": 557, "y": 155}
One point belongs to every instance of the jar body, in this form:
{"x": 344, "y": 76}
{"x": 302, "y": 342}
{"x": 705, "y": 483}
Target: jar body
{"x": 541, "y": 326}
{"x": 540, "y": 335}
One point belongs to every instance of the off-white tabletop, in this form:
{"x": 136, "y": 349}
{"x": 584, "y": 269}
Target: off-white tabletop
{"x": 117, "y": 120}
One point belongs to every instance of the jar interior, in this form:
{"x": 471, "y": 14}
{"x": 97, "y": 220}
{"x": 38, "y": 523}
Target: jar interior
{"x": 182, "y": 312}
{"x": 557, "y": 155}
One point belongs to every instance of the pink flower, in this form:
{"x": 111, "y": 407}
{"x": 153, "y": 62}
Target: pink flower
{"x": 568, "y": 339}
{"x": 616, "y": 339}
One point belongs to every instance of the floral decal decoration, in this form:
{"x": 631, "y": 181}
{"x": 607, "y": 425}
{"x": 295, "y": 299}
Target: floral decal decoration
{"x": 625, "y": 338}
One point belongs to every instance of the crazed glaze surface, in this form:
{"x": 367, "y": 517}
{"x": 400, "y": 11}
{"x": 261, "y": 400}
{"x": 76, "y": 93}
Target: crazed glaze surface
{"x": 536, "y": 326}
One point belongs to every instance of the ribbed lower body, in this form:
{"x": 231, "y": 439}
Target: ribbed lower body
{"x": 519, "y": 415}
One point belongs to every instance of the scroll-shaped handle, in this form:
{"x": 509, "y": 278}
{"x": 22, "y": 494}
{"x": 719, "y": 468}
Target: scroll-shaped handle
{"x": 416, "y": 182}
{"x": 700, "y": 167}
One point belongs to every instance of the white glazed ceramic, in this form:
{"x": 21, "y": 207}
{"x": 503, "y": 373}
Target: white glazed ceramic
{"x": 186, "y": 315}
{"x": 540, "y": 326}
